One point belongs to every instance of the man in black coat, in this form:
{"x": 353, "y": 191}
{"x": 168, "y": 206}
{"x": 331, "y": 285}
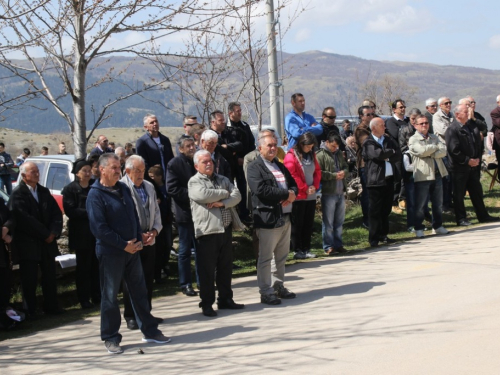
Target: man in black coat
{"x": 34, "y": 241}
{"x": 464, "y": 145}
{"x": 179, "y": 170}
{"x": 154, "y": 147}
{"x": 380, "y": 154}
{"x": 102, "y": 146}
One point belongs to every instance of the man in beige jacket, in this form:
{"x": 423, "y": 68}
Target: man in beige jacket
{"x": 427, "y": 152}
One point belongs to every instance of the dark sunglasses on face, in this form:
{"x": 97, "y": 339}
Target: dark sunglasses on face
{"x": 331, "y": 117}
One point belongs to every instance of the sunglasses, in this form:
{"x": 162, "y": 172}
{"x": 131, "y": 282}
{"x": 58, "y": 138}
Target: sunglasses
{"x": 331, "y": 117}
{"x": 369, "y": 114}
{"x": 433, "y": 106}
{"x": 447, "y": 103}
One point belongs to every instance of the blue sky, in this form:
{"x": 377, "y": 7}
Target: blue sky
{"x": 465, "y": 33}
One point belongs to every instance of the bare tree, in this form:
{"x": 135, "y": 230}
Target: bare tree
{"x": 63, "y": 38}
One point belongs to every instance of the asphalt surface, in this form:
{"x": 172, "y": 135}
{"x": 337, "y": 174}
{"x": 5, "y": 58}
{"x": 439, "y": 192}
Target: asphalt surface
{"x": 426, "y": 306}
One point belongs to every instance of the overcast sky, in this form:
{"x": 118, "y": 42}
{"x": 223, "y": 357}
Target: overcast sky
{"x": 465, "y": 33}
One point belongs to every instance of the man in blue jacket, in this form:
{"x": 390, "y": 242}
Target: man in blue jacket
{"x": 115, "y": 224}
{"x": 298, "y": 122}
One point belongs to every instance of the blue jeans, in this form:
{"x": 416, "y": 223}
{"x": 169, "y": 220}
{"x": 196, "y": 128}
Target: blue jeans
{"x": 113, "y": 268}
{"x": 333, "y": 208}
{"x": 434, "y": 189}
{"x": 7, "y": 182}
{"x": 186, "y": 243}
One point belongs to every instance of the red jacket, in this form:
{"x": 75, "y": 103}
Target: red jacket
{"x": 293, "y": 164}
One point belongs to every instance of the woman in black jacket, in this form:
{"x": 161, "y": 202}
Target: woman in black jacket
{"x": 6, "y": 225}
{"x": 81, "y": 239}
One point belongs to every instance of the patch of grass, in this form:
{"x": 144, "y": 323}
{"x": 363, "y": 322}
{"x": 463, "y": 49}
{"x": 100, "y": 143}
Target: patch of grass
{"x": 355, "y": 239}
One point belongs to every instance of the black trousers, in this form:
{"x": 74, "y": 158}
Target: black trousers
{"x": 147, "y": 255}
{"x": 302, "y": 227}
{"x": 468, "y": 180}
{"x": 87, "y": 276}
{"x": 214, "y": 262}
{"x": 381, "y": 200}
{"x": 163, "y": 245}
{"x": 29, "y": 279}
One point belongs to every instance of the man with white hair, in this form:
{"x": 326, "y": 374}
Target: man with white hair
{"x": 213, "y": 198}
{"x": 431, "y": 107}
{"x": 442, "y": 119}
{"x": 474, "y": 116}
{"x": 208, "y": 141}
{"x": 463, "y": 143}
{"x": 146, "y": 205}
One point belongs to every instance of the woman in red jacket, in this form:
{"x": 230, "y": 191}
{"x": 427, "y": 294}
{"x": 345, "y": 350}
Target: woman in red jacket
{"x": 303, "y": 166}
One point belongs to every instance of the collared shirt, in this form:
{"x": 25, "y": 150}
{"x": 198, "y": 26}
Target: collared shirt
{"x": 388, "y": 166}
{"x": 142, "y": 193}
{"x": 33, "y": 191}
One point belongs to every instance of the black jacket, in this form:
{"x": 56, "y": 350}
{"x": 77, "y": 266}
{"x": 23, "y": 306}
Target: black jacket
{"x": 179, "y": 170}
{"x": 266, "y": 194}
{"x": 6, "y": 220}
{"x": 241, "y": 133}
{"x": 327, "y": 129}
{"x": 374, "y": 156}
{"x": 405, "y": 133}
{"x": 392, "y": 127}
{"x": 35, "y": 222}
{"x": 462, "y": 143}
{"x": 74, "y": 201}
{"x": 222, "y": 167}
{"x": 152, "y": 153}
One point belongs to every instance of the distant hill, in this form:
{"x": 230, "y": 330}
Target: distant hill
{"x": 324, "y": 78}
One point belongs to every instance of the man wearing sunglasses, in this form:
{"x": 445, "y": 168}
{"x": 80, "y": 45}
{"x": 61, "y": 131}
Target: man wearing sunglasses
{"x": 442, "y": 119}
{"x": 328, "y": 124}
{"x": 431, "y": 106}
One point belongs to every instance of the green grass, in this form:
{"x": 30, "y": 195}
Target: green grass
{"x": 355, "y": 240}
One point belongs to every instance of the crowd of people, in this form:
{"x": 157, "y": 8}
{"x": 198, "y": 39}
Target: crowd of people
{"x": 123, "y": 202}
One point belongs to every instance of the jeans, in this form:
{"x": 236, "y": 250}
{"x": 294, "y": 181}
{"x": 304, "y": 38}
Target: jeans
{"x": 7, "y": 182}
{"x": 333, "y": 208}
{"x": 186, "y": 243}
{"x": 434, "y": 189}
{"x": 113, "y": 268}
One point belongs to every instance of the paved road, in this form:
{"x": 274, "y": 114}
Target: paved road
{"x": 427, "y": 306}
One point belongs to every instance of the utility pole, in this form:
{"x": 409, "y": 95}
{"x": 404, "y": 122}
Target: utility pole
{"x": 272, "y": 63}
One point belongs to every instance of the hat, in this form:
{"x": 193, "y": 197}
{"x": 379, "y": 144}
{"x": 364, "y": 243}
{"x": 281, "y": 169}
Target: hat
{"x": 79, "y": 164}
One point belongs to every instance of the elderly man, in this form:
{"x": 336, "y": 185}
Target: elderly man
{"x": 463, "y": 142}
{"x": 39, "y": 223}
{"x": 474, "y": 116}
{"x": 116, "y": 226}
{"x": 298, "y": 122}
{"x": 431, "y": 107}
{"x": 146, "y": 205}
{"x": 179, "y": 170}
{"x": 208, "y": 141}
{"x": 427, "y": 153}
{"x": 154, "y": 147}
{"x": 100, "y": 148}
{"x": 213, "y": 198}
{"x": 380, "y": 154}
{"x": 443, "y": 118}
{"x": 273, "y": 192}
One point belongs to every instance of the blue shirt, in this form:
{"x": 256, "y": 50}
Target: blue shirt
{"x": 296, "y": 125}
{"x": 388, "y": 166}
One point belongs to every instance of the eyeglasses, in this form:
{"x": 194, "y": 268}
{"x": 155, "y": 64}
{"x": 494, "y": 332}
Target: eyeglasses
{"x": 472, "y": 102}
{"x": 432, "y": 106}
{"x": 331, "y": 117}
{"x": 447, "y": 103}
{"x": 369, "y": 114}
{"x": 423, "y": 124}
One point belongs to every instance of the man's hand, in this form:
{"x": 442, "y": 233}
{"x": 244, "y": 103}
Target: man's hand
{"x": 311, "y": 190}
{"x": 133, "y": 246}
{"x": 340, "y": 175}
{"x": 50, "y": 238}
{"x": 148, "y": 237}
{"x": 473, "y": 162}
{"x": 314, "y": 124}
{"x": 215, "y": 205}
{"x": 291, "y": 196}
{"x": 224, "y": 146}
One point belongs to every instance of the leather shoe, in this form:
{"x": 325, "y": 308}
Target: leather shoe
{"x": 208, "y": 311}
{"x": 189, "y": 291}
{"x": 158, "y": 320}
{"x": 132, "y": 324}
{"x": 464, "y": 223}
{"x": 341, "y": 250}
{"x": 229, "y": 305}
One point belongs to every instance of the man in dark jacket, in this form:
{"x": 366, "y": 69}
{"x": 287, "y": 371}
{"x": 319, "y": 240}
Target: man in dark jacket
{"x": 179, "y": 170}
{"x": 102, "y": 146}
{"x": 328, "y": 124}
{"x": 273, "y": 192}
{"x": 34, "y": 239}
{"x": 6, "y": 163}
{"x": 380, "y": 154}
{"x": 495, "y": 121}
{"x": 154, "y": 147}
{"x": 115, "y": 225}
{"x": 464, "y": 144}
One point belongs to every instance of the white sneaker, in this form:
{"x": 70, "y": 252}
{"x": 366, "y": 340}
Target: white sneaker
{"x": 440, "y": 230}
{"x": 419, "y": 233}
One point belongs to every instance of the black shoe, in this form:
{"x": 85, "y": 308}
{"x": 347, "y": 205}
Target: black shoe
{"x": 387, "y": 240}
{"x": 158, "y": 320}
{"x": 86, "y": 305}
{"x": 464, "y": 223}
{"x": 374, "y": 244}
{"x": 341, "y": 250}
{"x": 229, "y": 304}
{"x": 208, "y": 311}
{"x": 132, "y": 324}
{"x": 189, "y": 291}
{"x": 489, "y": 219}
{"x": 284, "y": 293}
{"x": 270, "y": 299}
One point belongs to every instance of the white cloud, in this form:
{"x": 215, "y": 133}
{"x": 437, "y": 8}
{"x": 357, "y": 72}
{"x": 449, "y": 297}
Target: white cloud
{"x": 302, "y": 35}
{"x": 494, "y": 42}
{"x": 407, "y": 20}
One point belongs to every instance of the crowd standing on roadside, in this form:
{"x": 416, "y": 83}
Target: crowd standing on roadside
{"x": 124, "y": 200}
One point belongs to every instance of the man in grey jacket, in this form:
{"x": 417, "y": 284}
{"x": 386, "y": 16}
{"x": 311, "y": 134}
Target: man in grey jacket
{"x": 146, "y": 205}
{"x": 213, "y": 198}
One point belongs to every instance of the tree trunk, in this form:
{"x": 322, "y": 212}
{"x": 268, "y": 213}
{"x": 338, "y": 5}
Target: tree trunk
{"x": 80, "y": 64}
